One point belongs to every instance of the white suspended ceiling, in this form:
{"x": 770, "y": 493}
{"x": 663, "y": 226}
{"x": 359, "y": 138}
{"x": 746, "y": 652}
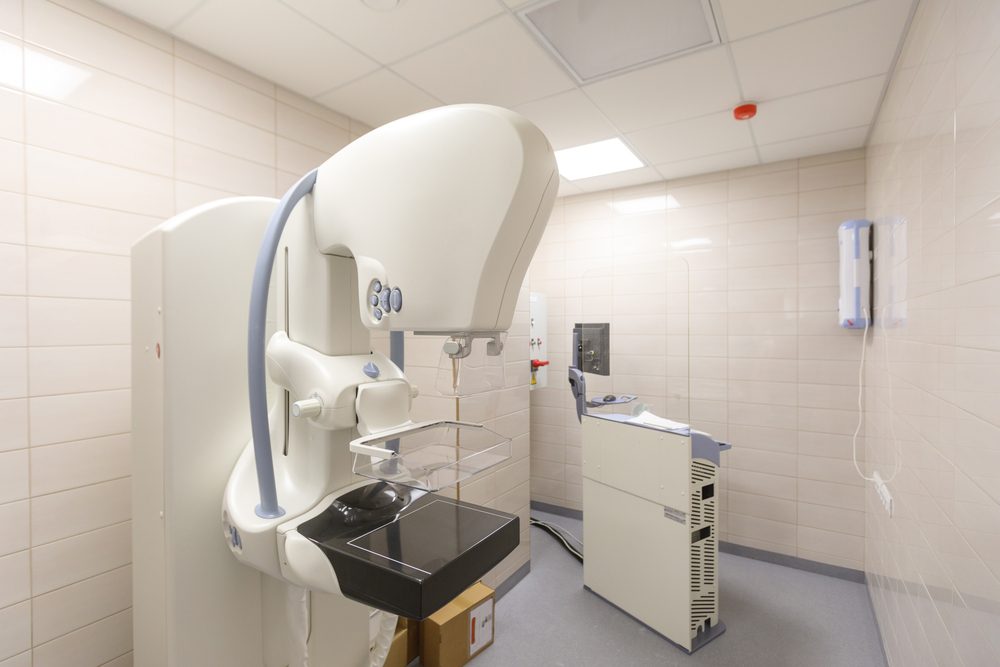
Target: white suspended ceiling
{"x": 816, "y": 68}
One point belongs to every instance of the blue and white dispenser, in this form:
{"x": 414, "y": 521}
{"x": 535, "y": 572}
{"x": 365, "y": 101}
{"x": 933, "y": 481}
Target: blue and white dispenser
{"x": 855, "y": 274}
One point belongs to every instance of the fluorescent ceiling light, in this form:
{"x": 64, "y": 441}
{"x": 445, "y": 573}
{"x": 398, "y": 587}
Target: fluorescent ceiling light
{"x": 645, "y": 204}
{"x": 596, "y": 159}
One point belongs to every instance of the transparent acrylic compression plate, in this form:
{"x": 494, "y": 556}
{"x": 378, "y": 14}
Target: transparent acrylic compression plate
{"x": 436, "y": 456}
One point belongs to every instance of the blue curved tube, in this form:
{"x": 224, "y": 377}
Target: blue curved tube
{"x": 259, "y": 426}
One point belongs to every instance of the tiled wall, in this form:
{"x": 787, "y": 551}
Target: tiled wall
{"x": 769, "y": 369}
{"x": 933, "y": 373}
{"x": 107, "y": 127}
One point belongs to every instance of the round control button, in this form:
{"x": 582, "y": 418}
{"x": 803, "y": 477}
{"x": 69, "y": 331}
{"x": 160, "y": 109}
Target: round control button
{"x": 373, "y": 300}
{"x": 376, "y": 285}
{"x": 384, "y": 299}
{"x": 396, "y": 299}
{"x": 377, "y": 314}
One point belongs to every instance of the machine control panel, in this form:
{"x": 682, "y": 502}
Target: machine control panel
{"x": 384, "y": 299}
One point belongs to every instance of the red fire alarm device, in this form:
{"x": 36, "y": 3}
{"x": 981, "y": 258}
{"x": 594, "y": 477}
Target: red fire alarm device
{"x": 745, "y": 111}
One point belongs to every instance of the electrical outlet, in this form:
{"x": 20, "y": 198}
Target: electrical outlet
{"x": 883, "y": 493}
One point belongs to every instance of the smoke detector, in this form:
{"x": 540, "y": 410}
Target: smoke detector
{"x": 595, "y": 39}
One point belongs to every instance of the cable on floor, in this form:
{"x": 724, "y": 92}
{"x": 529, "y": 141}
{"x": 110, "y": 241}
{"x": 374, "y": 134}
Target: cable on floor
{"x": 557, "y": 533}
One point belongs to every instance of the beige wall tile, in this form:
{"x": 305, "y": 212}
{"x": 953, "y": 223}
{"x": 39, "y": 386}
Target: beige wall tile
{"x": 14, "y": 528}
{"x": 70, "y": 178}
{"x": 19, "y": 660}
{"x": 69, "y": 370}
{"x": 66, "y": 513}
{"x": 13, "y": 475}
{"x": 12, "y": 269}
{"x": 79, "y": 416}
{"x": 94, "y": 644}
{"x": 13, "y": 424}
{"x": 67, "y": 609}
{"x": 74, "y": 559}
{"x": 11, "y": 217}
{"x": 214, "y": 130}
{"x": 58, "y": 224}
{"x": 55, "y": 321}
{"x": 56, "y": 77}
{"x": 90, "y": 135}
{"x": 15, "y": 578}
{"x": 204, "y": 166}
{"x": 231, "y": 98}
{"x": 15, "y": 631}
{"x": 76, "y": 464}
{"x": 13, "y": 372}
{"x": 10, "y": 18}
{"x": 12, "y": 59}
{"x": 64, "y": 273}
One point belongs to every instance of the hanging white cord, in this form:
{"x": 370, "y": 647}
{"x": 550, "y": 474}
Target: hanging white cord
{"x": 892, "y": 426}
{"x": 861, "y": 391}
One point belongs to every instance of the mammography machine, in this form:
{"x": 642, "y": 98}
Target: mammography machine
{"x": 264, "y": 534}
{"x": 649, "y": 508}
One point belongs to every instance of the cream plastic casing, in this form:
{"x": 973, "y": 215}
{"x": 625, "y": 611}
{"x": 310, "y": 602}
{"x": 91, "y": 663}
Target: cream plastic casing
{"x": 449, "y": 206}
{"x": 456, "y": 244}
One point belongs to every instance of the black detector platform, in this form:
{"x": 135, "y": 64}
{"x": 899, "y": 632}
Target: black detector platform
{"x": 408, "y": 551}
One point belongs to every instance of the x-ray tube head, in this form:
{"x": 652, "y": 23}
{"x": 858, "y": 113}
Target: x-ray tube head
{"x": 442, "y": 212}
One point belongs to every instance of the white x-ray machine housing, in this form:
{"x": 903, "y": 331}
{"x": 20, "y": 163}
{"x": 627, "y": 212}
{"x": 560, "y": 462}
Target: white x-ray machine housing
{"x": 426, "y": 224}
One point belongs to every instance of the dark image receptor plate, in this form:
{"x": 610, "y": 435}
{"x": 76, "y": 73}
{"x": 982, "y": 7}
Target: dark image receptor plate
{"x": 417, "y": 561}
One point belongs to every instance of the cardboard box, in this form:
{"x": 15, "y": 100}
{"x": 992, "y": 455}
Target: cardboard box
{"x": 460, "y": 630}
{"x": 412, "y": 639}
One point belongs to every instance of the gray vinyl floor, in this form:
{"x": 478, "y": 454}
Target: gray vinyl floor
{"x": 775, "y": 617}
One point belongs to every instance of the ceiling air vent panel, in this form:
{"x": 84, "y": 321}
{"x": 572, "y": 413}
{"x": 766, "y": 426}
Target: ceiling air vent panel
{"x": 595, "y": 39}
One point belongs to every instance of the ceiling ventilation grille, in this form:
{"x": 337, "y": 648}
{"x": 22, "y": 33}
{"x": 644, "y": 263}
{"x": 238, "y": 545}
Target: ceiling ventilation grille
{"x": 595, "y": 39}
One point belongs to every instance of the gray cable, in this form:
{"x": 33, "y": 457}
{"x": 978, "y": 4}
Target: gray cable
{"x": 260, "y": 428}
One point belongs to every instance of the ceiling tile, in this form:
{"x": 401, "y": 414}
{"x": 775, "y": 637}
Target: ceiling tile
{"x": 681, "y": 88}
{"x": 496, "y": 63}
{"x": 708, "y": 164}
{"x": 717, "y": 133}
{"x": 818, "y": 112}
{"x": 743, "y": 18}
{"x": 378, "y": 98}
{"x": 161, "y": 14}
{"x": 275, "y": 42}
{"x": 392, "y": 35}
{"x": 568, "y": 119}
{"x": 824, "y": 143}
{"x": 619, "y": 180}
{"x": 850, "y": 44}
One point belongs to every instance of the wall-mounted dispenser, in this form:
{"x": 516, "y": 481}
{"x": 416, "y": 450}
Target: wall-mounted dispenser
{"x": 854, "y": 237}
{"x": 538, "y": 337}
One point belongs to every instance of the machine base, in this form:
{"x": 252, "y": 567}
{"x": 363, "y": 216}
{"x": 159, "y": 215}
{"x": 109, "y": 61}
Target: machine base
{"x": 697, "y": 643}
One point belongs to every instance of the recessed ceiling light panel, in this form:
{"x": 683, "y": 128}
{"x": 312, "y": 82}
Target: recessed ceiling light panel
{"x": 596, "y": 159}
{"x": 598, "y": 38}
